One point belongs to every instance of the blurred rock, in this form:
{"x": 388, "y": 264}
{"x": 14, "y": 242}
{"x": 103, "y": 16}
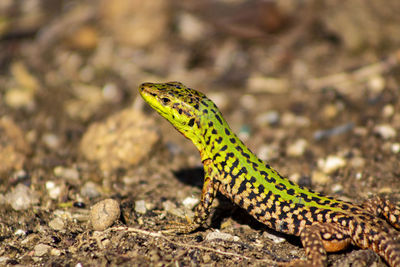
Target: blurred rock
{"x": 90, "y": 190}
{"x": 260, "y": 84}
{"x": 51, "y": 140}
{"x": 57, "y": 224}
{"x": 376, "y": 83}
{"x": 41, "y": 250}
{"x": 190, "y": 202}
{"x": 104, "y": 213}
{"x": 268, "y": 118}
{"x": 395, "y": 148}
{"x": 22, "y": 91}
{"x": 268, "y": 152}
{"x": 385, "y": 131}
{"x": 291, "y": 120}
{"x": 320, "y": 178}
{"x": 53, "y": 189}
{"x": 122, "y": 141}
{"x": 192, "y": 28}
{"x": 388, "y": 111}
{"x": 135, "y": 22}
{"x": 88, "y": 99}
{"x": 331, "y": 164}
{"x": 86, "y": 38}
{"x": 297, "y": 149}
{"x": 140, "y": 206}
{"x": 13, "y": 146}
{"x": 21, "y": 197}
{"x": 361, "y": 25}
{"x": 66, "y": 173}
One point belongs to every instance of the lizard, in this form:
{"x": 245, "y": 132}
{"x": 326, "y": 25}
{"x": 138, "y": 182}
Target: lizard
{"x": 323, "y": 223}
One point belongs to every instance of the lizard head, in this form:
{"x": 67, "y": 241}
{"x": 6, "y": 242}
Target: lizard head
{"x": 181, "y": 106}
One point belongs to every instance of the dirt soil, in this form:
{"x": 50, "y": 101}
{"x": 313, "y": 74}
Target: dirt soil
{"x": 311, "y": 88}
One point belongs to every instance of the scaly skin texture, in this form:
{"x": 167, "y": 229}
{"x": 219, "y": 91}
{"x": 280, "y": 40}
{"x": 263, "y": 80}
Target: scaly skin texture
{"x": 323, "y": 223}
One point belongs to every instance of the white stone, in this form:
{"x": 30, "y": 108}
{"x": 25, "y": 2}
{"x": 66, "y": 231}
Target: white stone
{"x": 385, "y": 131}
{"x": 21, "y": 197}
{"x": 223, "y": 236}
{"x": 190, "y": 202}
{"x": 297, "y": 148}
{"x": 331, "y": 163}
{"x": 140, "y": 206}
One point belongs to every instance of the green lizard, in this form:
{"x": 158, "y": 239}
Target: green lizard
{"x": 323, "y": 223}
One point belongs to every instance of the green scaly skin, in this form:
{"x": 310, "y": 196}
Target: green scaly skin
{"x": 323, "y": 223}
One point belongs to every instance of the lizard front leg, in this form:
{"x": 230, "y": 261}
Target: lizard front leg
{"x": 210, "y": 188}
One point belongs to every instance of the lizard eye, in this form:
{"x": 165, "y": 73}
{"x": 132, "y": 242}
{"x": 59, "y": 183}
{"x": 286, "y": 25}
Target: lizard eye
{"x": 165, "y": 100}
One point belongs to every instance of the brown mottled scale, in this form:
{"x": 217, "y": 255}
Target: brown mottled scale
{"x": 323, "y": 223}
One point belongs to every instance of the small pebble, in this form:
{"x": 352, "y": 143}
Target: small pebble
{"x": 274, "y": 238}
{"x": 248, "y": 101}
{"x": 20, "y": 232}
{"x": 337, "y": 188}
{"x": 385, "y": 131}
{"x": 376, "y": 83}
{"x": 140, "y": 206}
{"x": 41, "y": 250}
{"x": 66, "y": 173}
{"x": 104, "y": 213}
{"x": 268, "y": 118}
{"x": 19, "y": 98}
{"x": 388, "y": 111}
{"x": 51, "y": 140}
{"x": 395, "y": 147}
{"x": 207, "y": 258}
{"x": 55, "y": 252}
{"x": 330, "y": 111}
{"x": 320, "y": 178}
{"x": 90, "y": 190}
{"x": 297, "y": 149}
{"x": 268, "y": 152}
{"x": 171, "y": 208}
{"x": 21, "y": 197}
{"x": 262, "y": 84}
{"x": 331, "y": 164}
{"x": 191, "y": 28}
{"x": 290, "y": 120}
{"x": 13, "y": 146}
{"x": 53, "y": 190}
{"x": 357, "y": 162}
{"x": 112, "y": 93}
{"x": 222, "y": 236}
{"x": 57, "y": 224}
{"x": 190, "y": 202}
